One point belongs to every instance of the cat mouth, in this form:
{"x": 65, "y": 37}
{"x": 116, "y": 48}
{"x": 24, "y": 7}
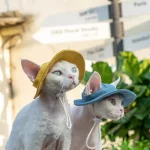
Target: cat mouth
{"x": 114, "y": 116}
{"x": 72, "y": 85}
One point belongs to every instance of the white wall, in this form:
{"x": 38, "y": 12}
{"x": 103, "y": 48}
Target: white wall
{"x": 5, "y": 101}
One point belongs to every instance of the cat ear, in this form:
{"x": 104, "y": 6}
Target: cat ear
{"x": 93, "y": 84}
{"x": 115, "y": 82}
{"x": 30, "y": 68}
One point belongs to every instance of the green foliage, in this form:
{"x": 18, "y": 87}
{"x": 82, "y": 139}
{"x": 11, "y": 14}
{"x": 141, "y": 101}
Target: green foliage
{"x": 137, "y": 145}
{"x": 104, "y": 70}
{"x": 86, "y": 77}
{"x": 129, "y": 65}
{"x": 137, "y": 117}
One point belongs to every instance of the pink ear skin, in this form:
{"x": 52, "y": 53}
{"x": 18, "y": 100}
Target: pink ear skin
{"x": 93, "y": 84}
{"x": 30, "y": 68}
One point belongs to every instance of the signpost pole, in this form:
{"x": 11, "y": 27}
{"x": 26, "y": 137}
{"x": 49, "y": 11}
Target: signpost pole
{"x": 116, "y": 26}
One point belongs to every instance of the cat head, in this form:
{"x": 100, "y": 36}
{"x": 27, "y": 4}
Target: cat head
{"x": 62, "y": 77}
{"x": 110, "y": 107}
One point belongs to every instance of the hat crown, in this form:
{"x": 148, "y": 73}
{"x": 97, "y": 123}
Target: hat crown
{"x": 105, "y": 88}
{"x": 105, "y": 91}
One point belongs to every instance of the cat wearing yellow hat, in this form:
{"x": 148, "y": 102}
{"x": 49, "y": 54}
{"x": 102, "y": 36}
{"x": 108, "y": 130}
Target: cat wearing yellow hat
{"x": 45, "y": 123}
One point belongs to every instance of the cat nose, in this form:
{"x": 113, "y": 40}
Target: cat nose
{"x": 121, "y": 110}
{"x": 71, "y": 77}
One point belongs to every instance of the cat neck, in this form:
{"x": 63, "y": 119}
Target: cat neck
{"x": 87, "y": 113}
{"x": 51, "y": 95}
{"x": 83, "y": 120}
{"x": 90, "y": 109}
{"x": 52, "y": 104}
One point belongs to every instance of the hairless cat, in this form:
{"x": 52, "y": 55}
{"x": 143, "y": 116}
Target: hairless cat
{"x": 98, "y": 101}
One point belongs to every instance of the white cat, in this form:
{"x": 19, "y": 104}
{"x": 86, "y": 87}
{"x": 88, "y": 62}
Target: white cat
{"x": 82, "y": 116}
{"x": 41, "y": 125}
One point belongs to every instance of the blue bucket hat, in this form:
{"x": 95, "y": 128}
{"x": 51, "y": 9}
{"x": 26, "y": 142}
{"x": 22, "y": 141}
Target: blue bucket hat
{"x": 103, "y": 92}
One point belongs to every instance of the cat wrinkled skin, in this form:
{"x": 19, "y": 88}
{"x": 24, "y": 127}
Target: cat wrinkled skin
{"x": 82, "y": 116}
{"x": 41, "y": 125}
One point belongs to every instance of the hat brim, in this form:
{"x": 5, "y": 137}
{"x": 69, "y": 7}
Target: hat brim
{"x": 71, "y": 56}
{"x": 128, "y": 98}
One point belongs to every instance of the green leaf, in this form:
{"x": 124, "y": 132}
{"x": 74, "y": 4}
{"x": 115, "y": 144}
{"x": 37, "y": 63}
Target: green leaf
{"x": 114, "y": 128}
{"x": 122, "y": 132}
{"x": 86, "y": 77}
{"x": 144, "y": 103}
{"x": 143, "y": 109}
{"x": 104, "y": 70}
{"x": 141, "y": 115}
{"x": 134, "y": 124}
{"x": 146, "y": 148}
{"x": 125, "y": 145}
{"x": 144, "y": 67}
{"x": 147, "y": 92}
{"x": 130, "y": 65}
{"x": 147, "y": 122}
{"x": 128, "y": 115}
{"x": 140, "y": 90}
{"x": 113, "y": 147}
{"x": 122, "y": 85}
{"x": 147, "y": 76}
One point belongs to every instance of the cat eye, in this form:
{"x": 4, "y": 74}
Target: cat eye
{"x": 57, "y": 73}
{"x": 74, "y": 69}
{"x": 122, "y": 103}
{"x": 112, "y": 101}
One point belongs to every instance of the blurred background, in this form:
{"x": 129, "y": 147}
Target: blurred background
{"x": 112, "y": 35}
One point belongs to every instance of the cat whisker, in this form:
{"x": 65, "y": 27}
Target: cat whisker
{"x": 124, "y": 117}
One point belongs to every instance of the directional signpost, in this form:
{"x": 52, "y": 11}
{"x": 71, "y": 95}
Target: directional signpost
{"x": 94, "y": 24}
{"x": 91, "y": 15}
{"x": 137, "y": 30}
{"x": 80, "y": 26}
{"x": 74, "y": 33}
{"x": 135, "y": 7}
{"x": 136, "y": 25}
{"x": 98, "y": 52}
{"x": 137, "y": 42}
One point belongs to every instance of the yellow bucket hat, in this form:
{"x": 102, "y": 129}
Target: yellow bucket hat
{"x": 71, "y": 56}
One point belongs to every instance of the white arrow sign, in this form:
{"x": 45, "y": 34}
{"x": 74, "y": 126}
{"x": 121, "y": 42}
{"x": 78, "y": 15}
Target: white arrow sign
{"x": 98, "y": 53}
{"x": 90, "y": 15}
{"x": 74, "y": 33}
{"x": 135, "y": 7}
{"x": 137, "y": 42}
{"x": 134, "y": 26}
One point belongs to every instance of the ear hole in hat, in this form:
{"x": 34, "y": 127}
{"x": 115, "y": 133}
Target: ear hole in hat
{"x": 115, "y": 83}
{"x": 93, "y": 84}
{"x": 30, "y": 68}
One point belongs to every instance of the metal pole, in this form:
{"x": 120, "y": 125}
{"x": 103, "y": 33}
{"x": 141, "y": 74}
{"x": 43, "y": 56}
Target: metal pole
{"x": 116, "y": 26}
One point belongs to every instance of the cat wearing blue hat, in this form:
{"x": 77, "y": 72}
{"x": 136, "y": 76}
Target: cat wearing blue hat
{"x": 99, "y": 100}
{"x": 105, "y": 91}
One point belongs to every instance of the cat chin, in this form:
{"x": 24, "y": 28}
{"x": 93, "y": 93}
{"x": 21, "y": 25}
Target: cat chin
{"x": 116, "y": 119}
{"x": 68, "y": 88}
{"x": 112, "y": 117}
{"x": 72, "y": 86}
